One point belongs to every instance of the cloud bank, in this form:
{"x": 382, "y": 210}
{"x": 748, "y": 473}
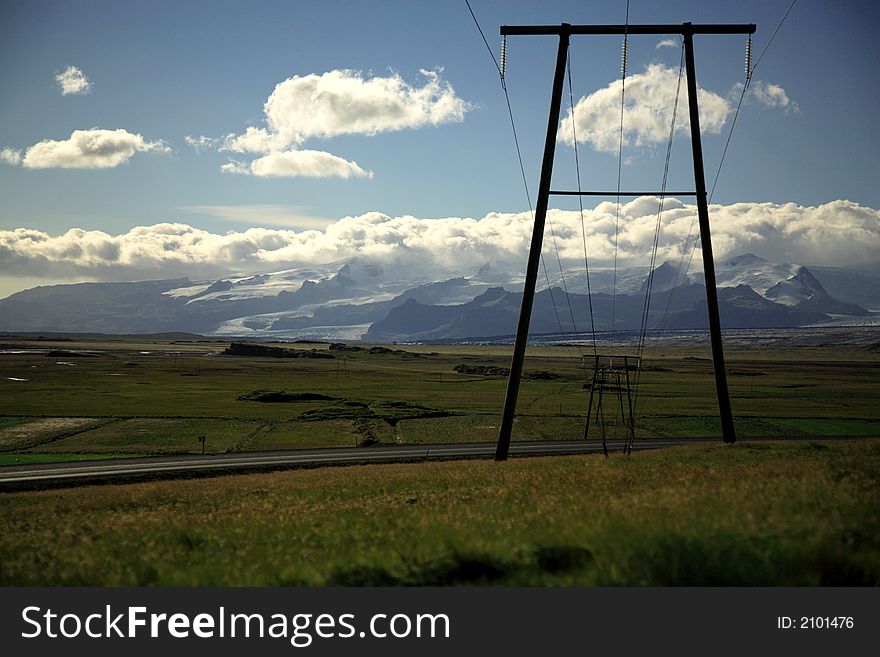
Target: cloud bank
{"x": 85, "y": 149}
{"x": 73, "y": 82}
{"x": 836, "y": 233}
{"x": 339, "y": 102}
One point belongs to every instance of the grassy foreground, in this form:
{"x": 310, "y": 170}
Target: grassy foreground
{"x": 805, "y": 513}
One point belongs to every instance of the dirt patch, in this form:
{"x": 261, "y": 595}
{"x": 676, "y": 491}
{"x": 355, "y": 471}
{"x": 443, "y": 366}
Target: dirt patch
{"x": 41, "y": 431}
{"x": 540, "y": 375}
{"x": 482, "y": 370}
{"x": 398, "y": 352}
{"x": 282, "y": 396}
{"x": 390, "y": 411}
{"x": 492, "y": 370}
{"x": 264, "y": 351}
{"x": 339, "y": 346}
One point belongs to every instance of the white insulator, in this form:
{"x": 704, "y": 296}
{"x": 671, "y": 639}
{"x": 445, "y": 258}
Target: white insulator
{"x": 503, "y": 57}
{"x": 749, "y": 57}
{"x": 623, "y": 56}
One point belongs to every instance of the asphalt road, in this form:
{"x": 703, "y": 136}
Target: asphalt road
{"x": 74, "y": 472}
{"x": 71, "y": 473}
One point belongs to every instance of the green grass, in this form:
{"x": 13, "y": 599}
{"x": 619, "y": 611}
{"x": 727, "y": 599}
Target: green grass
{"x": 780, "y": 514}
{"x": 36, "y": 432}
{"x": 158, "y": 435}
{"x": 161, "y": 402}
{"x": 294, "y": 434}
{"x": 13, "y": 421}
{"x": 27, "y": 458}
{"x": 831, "y": 426}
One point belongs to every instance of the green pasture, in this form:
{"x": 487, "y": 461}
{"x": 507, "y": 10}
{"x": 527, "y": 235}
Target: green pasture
{"x": 30, "y": 457}
{"x": 151, "y": 398}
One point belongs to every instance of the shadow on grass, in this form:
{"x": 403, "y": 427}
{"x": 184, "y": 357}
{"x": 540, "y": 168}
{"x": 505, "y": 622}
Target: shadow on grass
{"x": 675, "y": 560}
{"x": 465, "y": 569}
{"x": 670, "y": 560}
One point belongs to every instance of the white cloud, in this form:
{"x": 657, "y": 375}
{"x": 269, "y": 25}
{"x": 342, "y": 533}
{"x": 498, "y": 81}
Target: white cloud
{"x": 836, "y": 233}
{"x": 772, "y": 96}
{"x": 666, "y": 43}
{"x": 339, "y": 102}
{"x": 254, "y": 140}
{"x": 10, "y": 156}
{"x": 345, "y": 102}
{"x": 314, "y": 164}
{"x": 200, "y": 143}
{"x": 649, "y": 100}
{"x": 85, "y": 149}
{"x": 72, "y": 81}
{"x": 236, "y": 166}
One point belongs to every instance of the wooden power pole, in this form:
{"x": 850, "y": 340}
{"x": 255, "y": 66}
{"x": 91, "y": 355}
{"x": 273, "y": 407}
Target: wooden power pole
{"x": 564, "y": 32}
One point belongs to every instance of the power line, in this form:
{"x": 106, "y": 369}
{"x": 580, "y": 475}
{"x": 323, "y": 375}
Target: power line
{"x": 488, "y": 47}
{"x": 577, "y": 166}
{"x": 646, "y": 308}
{"x": 623, "y": 63}
{"x": 773, "y": 36}
{"x": 526, "y": 187}
{"x": 648, "y": 287}
{"x": 679, "y": 281}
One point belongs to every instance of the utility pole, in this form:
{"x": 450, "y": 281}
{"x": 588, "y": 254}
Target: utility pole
{"x": 727, "y": 429}
{"x": 564, "y": 32}
{"x": 525, "y": 312}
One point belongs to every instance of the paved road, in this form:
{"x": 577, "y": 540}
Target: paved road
{"x": 75, "y": 472}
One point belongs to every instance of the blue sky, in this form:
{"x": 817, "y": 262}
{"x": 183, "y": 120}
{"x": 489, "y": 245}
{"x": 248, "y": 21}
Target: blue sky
{"x": 171, "y": 70}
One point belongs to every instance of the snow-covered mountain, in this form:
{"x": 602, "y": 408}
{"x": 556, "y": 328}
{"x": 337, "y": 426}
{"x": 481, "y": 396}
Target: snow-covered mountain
{"x": 348, "y": 300}
{"x": 787, "y": 284}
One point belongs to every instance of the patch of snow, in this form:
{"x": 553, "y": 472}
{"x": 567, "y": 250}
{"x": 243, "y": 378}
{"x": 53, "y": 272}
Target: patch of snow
{"x": 190, "y": 291}
{"x": 237, "y": 328}
{"x": 847, "y": 321}
{"x": 759, "y": 277}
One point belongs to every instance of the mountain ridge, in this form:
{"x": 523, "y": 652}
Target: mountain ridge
{"x": 358, "y": 299}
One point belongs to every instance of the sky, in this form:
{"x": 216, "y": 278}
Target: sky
{"x": 146, "y": 140}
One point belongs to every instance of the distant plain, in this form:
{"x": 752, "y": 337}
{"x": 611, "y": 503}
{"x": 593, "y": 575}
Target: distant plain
{"x": 74, "y": 398}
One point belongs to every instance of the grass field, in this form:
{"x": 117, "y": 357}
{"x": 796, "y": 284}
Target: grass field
{"x": 151, "y": 398}
{"x": 770, "y": 513}
{"x": 28, "y": 458}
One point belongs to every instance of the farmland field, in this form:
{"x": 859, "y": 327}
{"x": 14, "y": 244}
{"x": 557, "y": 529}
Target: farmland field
{"x": 75, "y": 398}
